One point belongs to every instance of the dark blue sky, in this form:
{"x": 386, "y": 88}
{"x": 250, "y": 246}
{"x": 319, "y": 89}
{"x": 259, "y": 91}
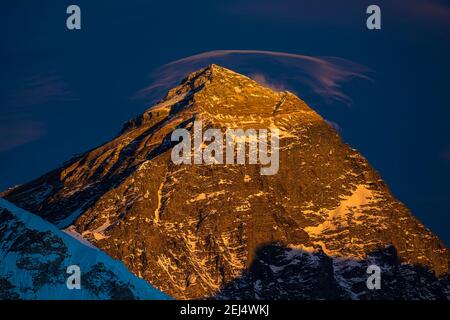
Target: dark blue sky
{"x": 63, "y": 92}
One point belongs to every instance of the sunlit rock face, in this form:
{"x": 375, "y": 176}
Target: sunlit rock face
{"x": 226, "y": 231}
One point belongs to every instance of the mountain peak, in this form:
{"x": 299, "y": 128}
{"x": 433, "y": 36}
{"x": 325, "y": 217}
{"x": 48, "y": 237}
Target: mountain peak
{"x": 218, "y": 70}
{"x": 219, "y": 95}
{"x": 213, "y": 73}
{"x": 197, "y": 231}
{"x": 219, "y": 75}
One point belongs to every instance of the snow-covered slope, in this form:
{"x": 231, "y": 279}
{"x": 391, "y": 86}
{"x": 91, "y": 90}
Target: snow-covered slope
{"x": 226, "y": 231}
{"x": 34, "y": 256}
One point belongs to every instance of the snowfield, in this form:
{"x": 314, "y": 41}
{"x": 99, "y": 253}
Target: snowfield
{"x": 34, "y": 256}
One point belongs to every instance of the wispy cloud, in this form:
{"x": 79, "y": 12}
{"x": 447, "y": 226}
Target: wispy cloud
{"x": 432, "y": 10}
{"x": 322, "y": 76}
{"x": 39, "y": 89}
{"x": 261, "y": 79}
{"x": 338, "y": 13}
{"x": 335, "y": 125}
{"x": 18, "y": 130}
{"x": 18, "y": 97}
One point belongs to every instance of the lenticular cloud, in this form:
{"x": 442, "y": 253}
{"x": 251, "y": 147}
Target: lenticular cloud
{"x": 316, "y": 78}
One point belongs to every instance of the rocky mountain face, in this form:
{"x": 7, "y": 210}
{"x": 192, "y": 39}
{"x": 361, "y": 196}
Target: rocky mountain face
{"x": 35, "y": 256}
{"x": 226, "y": 231}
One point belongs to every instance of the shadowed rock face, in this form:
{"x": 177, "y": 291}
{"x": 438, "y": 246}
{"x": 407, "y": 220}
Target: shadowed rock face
{"x": 191, "y": 230}
{"x": 280, "y": 272}
{"x": 35, "y": 256}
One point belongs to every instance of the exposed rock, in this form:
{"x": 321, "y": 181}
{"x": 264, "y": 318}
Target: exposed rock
{"x": 195, "y": 231}
{"x": 35, "y": 256}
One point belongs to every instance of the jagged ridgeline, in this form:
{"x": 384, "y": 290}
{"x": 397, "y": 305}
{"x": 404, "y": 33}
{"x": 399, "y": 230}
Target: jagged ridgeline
{"x": 226, "y": 231}
{"x": 35, "y": 257}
